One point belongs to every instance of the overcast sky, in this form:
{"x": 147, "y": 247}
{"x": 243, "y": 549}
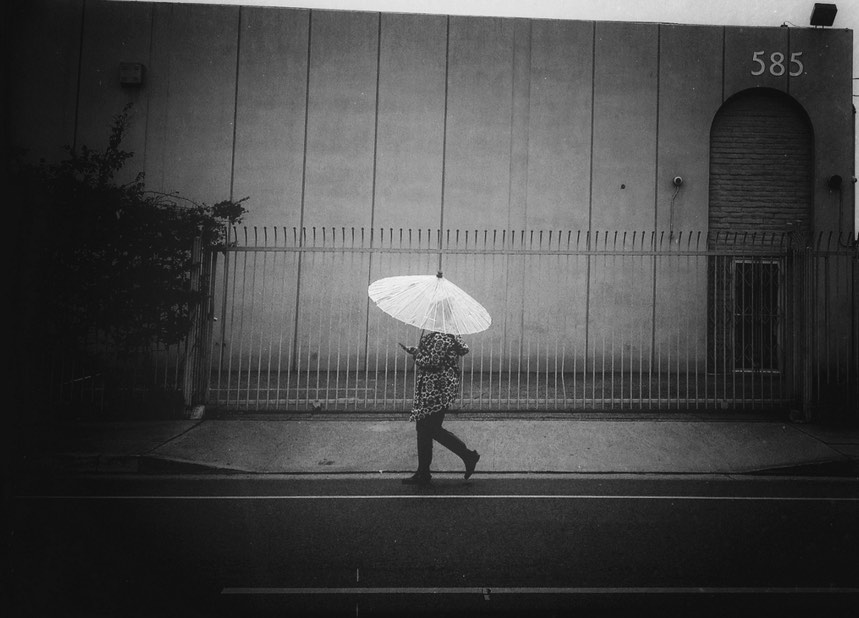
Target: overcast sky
{"x": 719, "y": 12}
{"x": 715, "y": 12}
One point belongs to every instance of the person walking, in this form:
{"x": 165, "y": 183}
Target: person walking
{"x": 436, "y": 358}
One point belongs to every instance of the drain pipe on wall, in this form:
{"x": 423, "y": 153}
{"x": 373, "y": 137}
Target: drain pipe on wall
{"x": 677, "y": 181}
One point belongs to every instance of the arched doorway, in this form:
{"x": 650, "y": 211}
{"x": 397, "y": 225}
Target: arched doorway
{"x": 761, "y": 160}
{"x": 761, "y": 171}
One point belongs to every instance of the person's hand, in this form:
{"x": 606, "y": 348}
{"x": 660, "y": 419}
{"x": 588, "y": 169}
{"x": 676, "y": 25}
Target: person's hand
{"x": 410, "y": 349}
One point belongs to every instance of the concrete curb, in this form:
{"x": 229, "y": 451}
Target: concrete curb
{"x": 105, "y": 464}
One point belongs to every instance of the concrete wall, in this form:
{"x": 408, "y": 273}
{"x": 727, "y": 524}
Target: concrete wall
{"x": 363, "y": 120}
{"x": 337, "y": 118}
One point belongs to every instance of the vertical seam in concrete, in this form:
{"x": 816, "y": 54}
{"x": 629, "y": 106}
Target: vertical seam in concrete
{"x": 375, "y": 131}
{"x": 510, "y": 165}
{"x": 656, "y": 195}
{"x": 303, "y": 188}
{"x": 444, "y": 140}
{"x": 593, "y": 105}
{"x": 511, "y": 137}
{"x": 656, "y": 153}
{"x": 306, "y": 128}
{"x": 526, "y": 145}
{"x": 78, "y": 80}
{"x": 166, "y": 116}
{"x": 590, "y": 195}
{"x": 528, "y": 115}
{"x": 235, "y": 104}
{"x": 148, "y": 90}
{"x": 373, "y": 188}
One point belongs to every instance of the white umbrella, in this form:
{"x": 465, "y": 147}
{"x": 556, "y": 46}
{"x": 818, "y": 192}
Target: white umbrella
{"x": 430, "y": 302}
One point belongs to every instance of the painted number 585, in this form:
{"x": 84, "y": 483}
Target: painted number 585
{"x": 777, "y": 64}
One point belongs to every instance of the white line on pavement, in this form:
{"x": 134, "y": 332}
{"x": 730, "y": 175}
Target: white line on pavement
{"x": 454, "y": 497}
{"x": 543, "y": 590}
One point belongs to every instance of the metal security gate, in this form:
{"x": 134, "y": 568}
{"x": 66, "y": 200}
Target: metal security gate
{"x": 601, "y": 321}
{"x": 758, "y": 315}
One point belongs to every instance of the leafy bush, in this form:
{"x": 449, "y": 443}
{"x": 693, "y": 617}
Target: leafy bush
{"x": 100, "y": 256}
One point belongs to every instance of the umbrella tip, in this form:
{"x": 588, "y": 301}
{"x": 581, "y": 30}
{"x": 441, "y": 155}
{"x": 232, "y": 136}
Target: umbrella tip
{"x": 438, "y": 274}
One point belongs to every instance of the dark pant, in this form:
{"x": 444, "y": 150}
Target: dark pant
{"x": 429, "y": 428}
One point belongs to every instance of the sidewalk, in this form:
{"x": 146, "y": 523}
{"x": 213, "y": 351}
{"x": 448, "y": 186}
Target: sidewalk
{"x": 671, "y": 444}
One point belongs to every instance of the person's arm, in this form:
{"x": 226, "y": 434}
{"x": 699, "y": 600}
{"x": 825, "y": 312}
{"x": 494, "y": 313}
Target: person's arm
{"x": 460, "y": 346}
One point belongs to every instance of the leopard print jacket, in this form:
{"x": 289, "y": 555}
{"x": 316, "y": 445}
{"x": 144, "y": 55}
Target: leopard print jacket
{"x": 437, "y": 384}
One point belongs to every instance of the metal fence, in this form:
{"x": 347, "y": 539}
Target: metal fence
{"x": 581, "y": 321}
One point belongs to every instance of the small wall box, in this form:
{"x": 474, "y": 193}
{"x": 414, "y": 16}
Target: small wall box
{"x": 130, "y": 73}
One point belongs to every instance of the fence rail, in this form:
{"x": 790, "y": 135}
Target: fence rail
{"x": 503, "y": 240}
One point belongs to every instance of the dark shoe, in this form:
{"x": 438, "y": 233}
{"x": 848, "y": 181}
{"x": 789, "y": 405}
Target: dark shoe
{"x": 471, "y": 463}
{"x": 418, "y": 479}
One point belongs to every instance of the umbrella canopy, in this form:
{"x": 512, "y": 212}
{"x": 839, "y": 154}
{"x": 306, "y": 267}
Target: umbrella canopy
{"x": 430, "y": 302}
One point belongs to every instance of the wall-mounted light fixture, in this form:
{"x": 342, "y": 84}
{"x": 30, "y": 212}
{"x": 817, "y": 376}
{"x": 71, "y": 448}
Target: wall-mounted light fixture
{"x": 131, "y": 74}
{"x": 823, "y": 14}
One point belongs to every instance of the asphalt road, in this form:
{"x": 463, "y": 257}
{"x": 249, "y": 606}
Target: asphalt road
{"x": 354, "y": 546}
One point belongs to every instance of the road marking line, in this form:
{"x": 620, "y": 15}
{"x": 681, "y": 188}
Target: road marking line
{"x": 454, "y": 497}
{"x": 729, "y": 476}
{"x": 541, "y": 590}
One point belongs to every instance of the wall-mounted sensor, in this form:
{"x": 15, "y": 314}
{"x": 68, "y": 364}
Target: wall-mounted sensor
{"x": 677, "y": 181}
